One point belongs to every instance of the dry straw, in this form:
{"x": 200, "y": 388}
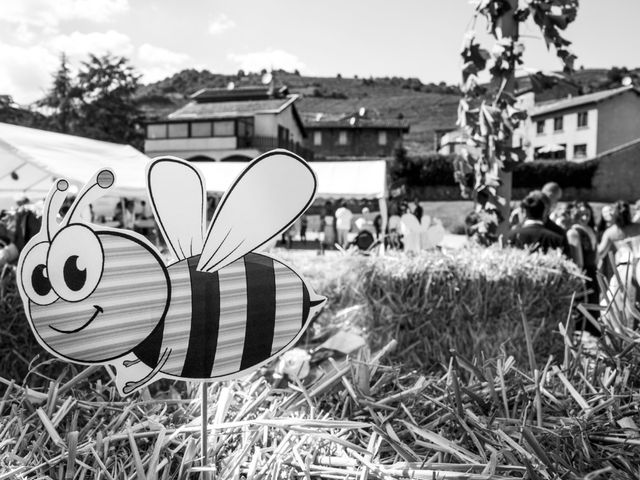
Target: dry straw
{"x": 368, "y": 416}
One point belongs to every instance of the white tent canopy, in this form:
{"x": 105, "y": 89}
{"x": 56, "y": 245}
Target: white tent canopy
{"x": 365, "y": 179}
{"x": 31, "y": 160}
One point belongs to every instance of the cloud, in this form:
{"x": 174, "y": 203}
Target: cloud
{"x": 25, "y": 70}
{"x": 153, "y": 54}
{"x": 256, "y": 61}
{"x": 46, "y": 15}
{"x": 156, "y": 63}
{"x": 77, "y": 45}
{"x": 221, "y": 24}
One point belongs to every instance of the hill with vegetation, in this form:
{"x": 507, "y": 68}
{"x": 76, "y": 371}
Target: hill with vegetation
{"x": 425, "y": 107}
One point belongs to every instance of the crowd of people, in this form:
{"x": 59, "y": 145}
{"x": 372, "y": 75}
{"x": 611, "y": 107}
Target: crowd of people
{"x": 606, "y": 248}
{"x": 407, "y": 227}
{"x": 337, "y": 223}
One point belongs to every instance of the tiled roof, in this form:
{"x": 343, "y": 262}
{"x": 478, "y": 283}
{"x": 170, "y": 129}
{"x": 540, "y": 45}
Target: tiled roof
{"x": 566, "y": 103}
{"x": 238, "y": 93}
{"x": 351, "y": 121}
{"x": 234, "y": 109}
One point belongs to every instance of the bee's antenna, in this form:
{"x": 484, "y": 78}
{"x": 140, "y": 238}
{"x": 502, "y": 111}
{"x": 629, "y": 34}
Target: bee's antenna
{"x": 93, "y": 190}
{"x": 52, "y": 205}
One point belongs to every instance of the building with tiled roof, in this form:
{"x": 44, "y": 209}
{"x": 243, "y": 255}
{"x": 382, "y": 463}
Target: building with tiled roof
{"x": 355, "y": 135}
{"x": 229, "y": 124}
{"x": 581, "y": 127}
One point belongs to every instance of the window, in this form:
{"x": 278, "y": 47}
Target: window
{"x": 317, "y": 138}
{"x": 580, "y": 151}
{"x": 557, "y": 124}
{"x": 540, "y": 127}
{"x": 245, "y": 127}
{"x": 157, "y": 131}
{"x": 224, "y": 129}
{"x": 342, "y": 137}
{"x": 178, "y": 130}
{"x": 382, "y": 137}
{"x": 583, "y": 119}
{"x": 284, "y": 136}
{"x": 201, "y": 129}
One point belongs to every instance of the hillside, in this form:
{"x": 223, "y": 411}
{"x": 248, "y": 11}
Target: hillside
{"x": 425, "y": 106}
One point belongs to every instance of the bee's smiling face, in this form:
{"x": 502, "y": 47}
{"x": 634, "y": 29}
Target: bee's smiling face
{"x": 82, "y": 293}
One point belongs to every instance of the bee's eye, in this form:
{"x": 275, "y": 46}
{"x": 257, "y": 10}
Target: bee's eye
{"x": 75, "y": 262}
{"x": 74, "y": 276}
{"x": 34, "y": 276}
{"x": 39, "y": 280}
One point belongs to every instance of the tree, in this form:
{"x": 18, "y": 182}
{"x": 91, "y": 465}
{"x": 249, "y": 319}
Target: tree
{"x": 60, "y": 99}
{"x": 106, "y": 86}
{"x": 12, "y": 113}
{"x": 490, "y": 115}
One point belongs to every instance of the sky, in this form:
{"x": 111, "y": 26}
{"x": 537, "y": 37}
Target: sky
{"x": 408, "y": 38}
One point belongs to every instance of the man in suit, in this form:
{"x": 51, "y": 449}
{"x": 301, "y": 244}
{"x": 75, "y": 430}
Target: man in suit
{"x": 533, "y": 234}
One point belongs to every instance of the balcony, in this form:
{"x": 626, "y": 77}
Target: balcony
{"x": 264, "y": 144}
{"x": 185, "y": 147}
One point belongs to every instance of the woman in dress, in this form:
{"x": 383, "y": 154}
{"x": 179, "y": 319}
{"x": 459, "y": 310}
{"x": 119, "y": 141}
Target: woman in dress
{"x": 622, "y": 239}
{"x": 583, "y": 246}
{"x": 621, "y": 229}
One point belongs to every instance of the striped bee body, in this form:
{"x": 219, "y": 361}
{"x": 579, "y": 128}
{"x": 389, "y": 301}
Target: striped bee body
{"x": 228, "y": 321}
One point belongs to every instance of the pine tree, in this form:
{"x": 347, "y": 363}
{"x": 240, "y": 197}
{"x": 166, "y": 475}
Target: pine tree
{"x": 61, "y": 99}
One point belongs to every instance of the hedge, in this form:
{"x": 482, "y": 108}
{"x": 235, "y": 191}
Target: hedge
{"x": 565, "y": 173}
{"x": 428, "y": 170}
{"x": 437, "y": 170}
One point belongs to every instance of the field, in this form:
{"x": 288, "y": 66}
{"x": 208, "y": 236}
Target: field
{"x": 378, "y": 412}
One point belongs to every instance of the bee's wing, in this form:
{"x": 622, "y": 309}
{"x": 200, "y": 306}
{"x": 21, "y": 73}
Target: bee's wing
{"x": 266, "y": 198}
{"x": 179, "y": 201}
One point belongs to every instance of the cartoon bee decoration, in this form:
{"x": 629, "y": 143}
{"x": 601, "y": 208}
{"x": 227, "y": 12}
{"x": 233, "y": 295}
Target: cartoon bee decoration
{"x": 100, "y": 295}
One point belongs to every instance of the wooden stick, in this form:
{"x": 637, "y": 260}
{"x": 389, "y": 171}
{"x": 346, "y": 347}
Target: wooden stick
{"x": 203, "y": 414}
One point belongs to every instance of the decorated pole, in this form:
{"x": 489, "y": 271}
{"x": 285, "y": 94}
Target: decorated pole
{"x": 491, "y": 115}
{"x": 204, "y": 403}
{"x": 506, "y": 28}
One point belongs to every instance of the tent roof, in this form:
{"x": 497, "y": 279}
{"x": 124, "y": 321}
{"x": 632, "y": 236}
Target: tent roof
{"x": 362, "y": 179}
{"x": 38, "y": 157}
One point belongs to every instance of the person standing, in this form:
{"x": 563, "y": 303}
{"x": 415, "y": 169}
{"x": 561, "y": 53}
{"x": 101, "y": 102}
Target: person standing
{"x": 533, "y": 233}
{"x": 553, "y": 192}
{"x": 303, "y": 229}
{"x": 328, "y": 227}
{"x": 583, "y": 246}
{"x": 614, "y": 236}
{"x": 417, "y": 210}
{"x": 623, "y": 240}
{"x": 343, "y": 224}
{"x": 393, "y": 229}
